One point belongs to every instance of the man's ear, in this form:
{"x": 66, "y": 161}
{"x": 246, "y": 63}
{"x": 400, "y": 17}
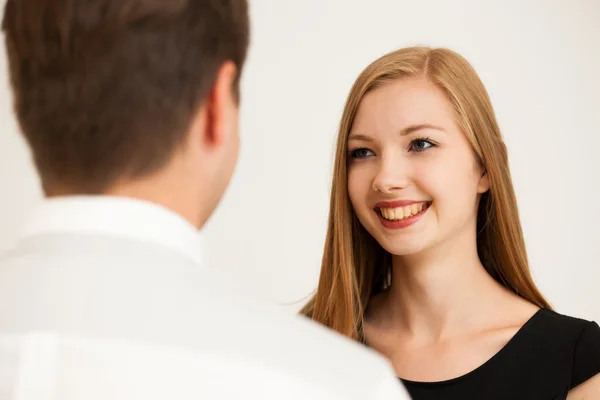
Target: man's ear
{"x": 221, "y": 106}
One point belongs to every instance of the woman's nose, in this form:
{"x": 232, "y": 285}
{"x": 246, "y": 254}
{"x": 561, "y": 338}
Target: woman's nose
{"x": 391, "y": 176}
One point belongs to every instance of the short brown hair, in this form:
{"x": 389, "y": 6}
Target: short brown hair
{"x": 105, "y": 89}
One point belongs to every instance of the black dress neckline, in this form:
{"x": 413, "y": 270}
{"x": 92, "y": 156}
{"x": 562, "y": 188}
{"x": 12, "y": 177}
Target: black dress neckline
{"x": 506, "y": 348}
{"x": 546, "y": 358}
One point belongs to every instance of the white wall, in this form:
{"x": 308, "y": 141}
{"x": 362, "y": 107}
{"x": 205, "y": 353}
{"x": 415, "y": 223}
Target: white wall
{"x": 539, "y": 61}
{"x": 19, "y": 186}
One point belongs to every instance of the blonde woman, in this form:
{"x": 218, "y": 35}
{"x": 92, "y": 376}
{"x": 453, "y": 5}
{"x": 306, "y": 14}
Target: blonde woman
{"x": 424, "y": 258}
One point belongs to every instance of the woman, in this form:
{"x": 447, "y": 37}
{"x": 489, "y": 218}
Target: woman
{"x": 424, "y": 258}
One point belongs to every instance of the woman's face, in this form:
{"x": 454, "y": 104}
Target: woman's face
{"x": 413, "y": 178}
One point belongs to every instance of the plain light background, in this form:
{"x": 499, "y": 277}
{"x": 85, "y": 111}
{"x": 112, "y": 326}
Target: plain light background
{"x": 540, "y": 61}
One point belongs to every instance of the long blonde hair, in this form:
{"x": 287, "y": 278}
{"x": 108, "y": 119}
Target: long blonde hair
{"x": 354, "y": 266}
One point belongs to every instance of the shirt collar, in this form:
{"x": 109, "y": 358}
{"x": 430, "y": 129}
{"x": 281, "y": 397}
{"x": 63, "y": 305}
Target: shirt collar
{"x": 115, "y": 216}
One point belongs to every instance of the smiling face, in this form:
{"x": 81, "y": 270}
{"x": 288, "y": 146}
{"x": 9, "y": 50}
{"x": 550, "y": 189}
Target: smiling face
{"x": 413, "y": 179}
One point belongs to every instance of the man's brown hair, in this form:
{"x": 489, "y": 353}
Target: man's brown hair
{"x": 106, "y": 89}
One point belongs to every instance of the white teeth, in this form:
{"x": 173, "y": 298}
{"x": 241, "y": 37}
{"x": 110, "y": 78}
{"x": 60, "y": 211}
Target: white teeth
{"x": 400, "y": 213}
{"x": 415, "y": 208}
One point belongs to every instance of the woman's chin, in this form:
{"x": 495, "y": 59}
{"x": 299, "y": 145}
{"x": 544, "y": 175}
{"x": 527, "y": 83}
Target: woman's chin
{"x": 406, "y": 248}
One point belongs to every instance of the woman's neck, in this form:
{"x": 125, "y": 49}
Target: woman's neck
{"x": 442, "y": 291}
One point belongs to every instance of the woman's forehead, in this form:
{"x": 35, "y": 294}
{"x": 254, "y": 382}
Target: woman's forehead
{"x": 401, "y": 104}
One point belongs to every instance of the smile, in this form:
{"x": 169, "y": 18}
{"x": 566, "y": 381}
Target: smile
{"x": 402, "y": 213}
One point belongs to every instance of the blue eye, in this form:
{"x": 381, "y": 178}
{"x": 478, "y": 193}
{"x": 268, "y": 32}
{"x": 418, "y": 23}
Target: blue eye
{"x": 361, "y": 153}
{"x": 421, "y": 144}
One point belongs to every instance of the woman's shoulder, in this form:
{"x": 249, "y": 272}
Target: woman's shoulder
{"x": 564, "y": 324}
{"x": 575, "y": 341}
{"x": 551, "y": 326}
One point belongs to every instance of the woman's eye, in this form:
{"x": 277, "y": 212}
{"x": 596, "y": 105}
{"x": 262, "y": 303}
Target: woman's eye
{"x": 361, "y": 153}
{"x": 419, "y": 145}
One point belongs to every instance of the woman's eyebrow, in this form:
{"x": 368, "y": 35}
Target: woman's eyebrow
{"x": 403, "y": 132}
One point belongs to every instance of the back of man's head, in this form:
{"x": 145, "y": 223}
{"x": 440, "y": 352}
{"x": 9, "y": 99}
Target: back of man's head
{"x": 106, "y": 90}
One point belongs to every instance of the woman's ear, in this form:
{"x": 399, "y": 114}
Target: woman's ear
{"x": 484, "y": 181}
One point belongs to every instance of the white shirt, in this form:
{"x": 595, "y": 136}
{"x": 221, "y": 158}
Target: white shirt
{"x": 115, "y": 216}
{"x": 105, "y": 298}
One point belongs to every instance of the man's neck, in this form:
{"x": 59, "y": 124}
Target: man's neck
{"x": 167, "y": 194}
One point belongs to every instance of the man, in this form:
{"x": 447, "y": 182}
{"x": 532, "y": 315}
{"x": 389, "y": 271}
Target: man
{"x": 130, "y": 108}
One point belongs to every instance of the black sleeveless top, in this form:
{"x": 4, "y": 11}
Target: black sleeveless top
{"x": 549, "y": 355}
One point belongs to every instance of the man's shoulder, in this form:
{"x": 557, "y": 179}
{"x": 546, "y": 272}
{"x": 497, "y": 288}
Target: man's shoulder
{"x": 170, "y": 301}
{"x": 137, "y": 369}
{"x": 295, "y": 345}
{"x": 308, "y": 348}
